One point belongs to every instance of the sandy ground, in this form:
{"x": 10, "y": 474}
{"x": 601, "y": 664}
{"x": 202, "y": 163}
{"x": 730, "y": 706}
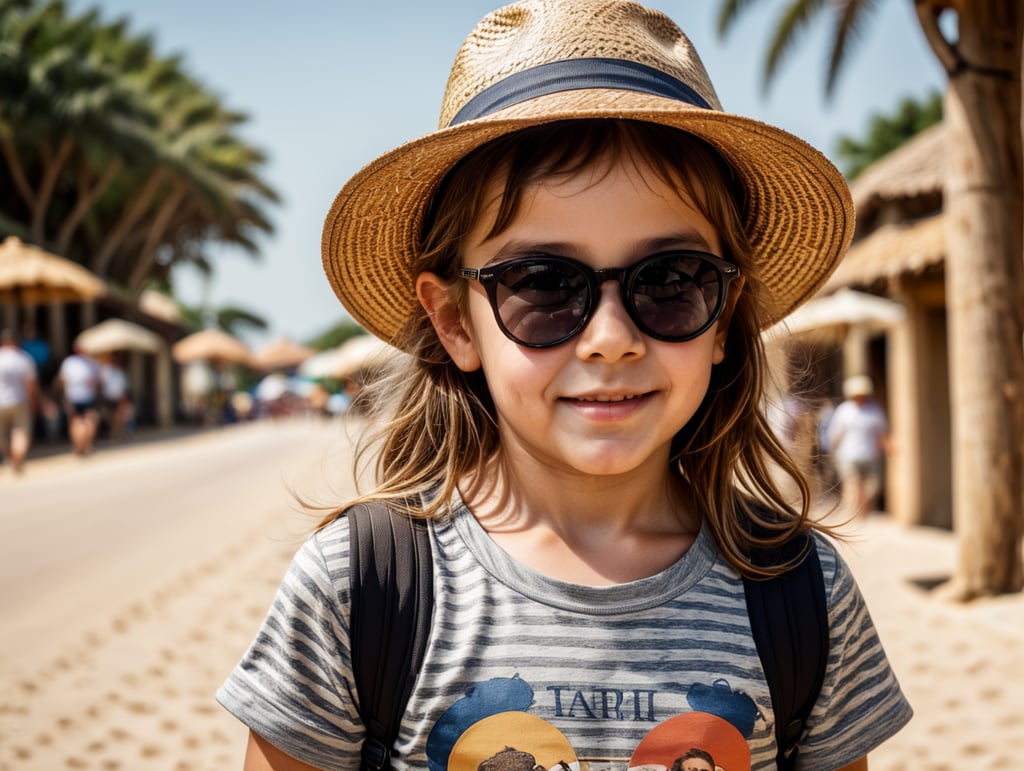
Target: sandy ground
{"x": 121, "y": 675}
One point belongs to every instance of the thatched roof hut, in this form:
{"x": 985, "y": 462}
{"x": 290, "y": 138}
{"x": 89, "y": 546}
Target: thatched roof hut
{"x": 899, "y": 215}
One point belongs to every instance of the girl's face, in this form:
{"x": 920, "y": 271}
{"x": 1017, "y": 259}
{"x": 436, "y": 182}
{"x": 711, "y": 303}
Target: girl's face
{"x": 609, "y": 400}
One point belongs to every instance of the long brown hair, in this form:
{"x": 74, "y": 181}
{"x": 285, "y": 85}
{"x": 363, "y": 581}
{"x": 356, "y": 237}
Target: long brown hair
{"x": 431, "y": 424}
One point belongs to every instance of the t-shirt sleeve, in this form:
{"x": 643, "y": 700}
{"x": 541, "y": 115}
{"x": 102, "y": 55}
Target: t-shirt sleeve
{"x": 294, "y": 685}
{"x": 861, "y": 703}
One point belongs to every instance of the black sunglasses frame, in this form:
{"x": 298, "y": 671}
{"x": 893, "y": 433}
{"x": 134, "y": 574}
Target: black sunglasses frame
{"x": 490, "y": 278}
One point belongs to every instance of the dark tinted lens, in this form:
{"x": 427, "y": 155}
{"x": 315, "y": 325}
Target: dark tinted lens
{"x": 676, "y": 296}
{"x": 541, "y": 301}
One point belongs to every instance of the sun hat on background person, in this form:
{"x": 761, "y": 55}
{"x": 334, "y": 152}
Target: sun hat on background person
{"x": 858, "y": 385}
{"x": 535, "y": 62}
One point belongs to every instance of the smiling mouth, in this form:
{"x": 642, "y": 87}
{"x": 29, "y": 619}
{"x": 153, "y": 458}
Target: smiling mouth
{"x": 608, "y": 399}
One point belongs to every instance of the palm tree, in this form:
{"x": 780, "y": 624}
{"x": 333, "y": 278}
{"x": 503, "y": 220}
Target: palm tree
{"x": 984, "y": 213}
{"x": 61, "y": 108}
{"x": 114, "y": 156}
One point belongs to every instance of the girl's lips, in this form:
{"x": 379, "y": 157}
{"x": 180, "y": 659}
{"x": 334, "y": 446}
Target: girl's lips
{"x": 600, "y": 407}
{"x": 625, "y": 398}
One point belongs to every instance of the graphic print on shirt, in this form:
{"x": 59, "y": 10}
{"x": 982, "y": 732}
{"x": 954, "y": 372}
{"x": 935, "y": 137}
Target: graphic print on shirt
{"x": 491, "y": 728}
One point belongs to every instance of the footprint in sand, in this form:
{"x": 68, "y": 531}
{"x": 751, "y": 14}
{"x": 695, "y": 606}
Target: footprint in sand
{"x": 140, "y": 707}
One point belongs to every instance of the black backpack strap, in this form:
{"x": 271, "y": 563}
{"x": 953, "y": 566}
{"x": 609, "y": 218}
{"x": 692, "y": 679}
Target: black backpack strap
{"x": 789, "y": 619}
{"x": 391, "y": 604}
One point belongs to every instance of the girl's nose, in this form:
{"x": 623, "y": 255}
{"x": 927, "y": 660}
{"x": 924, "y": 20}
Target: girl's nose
{"x": 610, "y": 333}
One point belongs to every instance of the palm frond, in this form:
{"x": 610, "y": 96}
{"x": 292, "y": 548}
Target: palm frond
{"x": 850, "y": 21}
{"x": 792, "y": 25}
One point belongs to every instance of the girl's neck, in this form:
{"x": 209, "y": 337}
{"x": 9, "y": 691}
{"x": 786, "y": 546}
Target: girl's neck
{"x": 593, "y": 530}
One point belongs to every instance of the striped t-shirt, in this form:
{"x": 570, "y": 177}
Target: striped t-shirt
{"x": 523, "y": 671}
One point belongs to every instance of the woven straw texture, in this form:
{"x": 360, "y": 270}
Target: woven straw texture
{"x": 800, "y": 218}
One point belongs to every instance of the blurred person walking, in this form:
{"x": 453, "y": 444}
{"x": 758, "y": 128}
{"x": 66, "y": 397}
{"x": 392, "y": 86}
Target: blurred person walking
{"x": 117, "y": 407}
{"x": 79, "y": 380}
{"x": 858, "y": 440}
{"x": 19, "y": 395}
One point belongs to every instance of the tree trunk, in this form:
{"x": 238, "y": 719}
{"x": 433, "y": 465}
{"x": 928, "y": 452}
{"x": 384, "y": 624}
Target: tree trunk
{"x": 17, "y": 170}
{"x": 984, "y": 211}
{"x": 86, "y": 198}
{"x": 143, "y": 197}
{"x": 52, "y": 167}
{"x": 147, "y": 256}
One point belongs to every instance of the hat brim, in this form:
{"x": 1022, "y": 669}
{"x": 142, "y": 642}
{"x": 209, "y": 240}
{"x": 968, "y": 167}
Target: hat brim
{"x": 800, "y": 216}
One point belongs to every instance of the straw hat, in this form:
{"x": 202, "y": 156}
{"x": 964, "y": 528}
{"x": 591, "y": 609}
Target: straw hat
{"x": 858, "y": 385}
{"x": 538, "y": 61}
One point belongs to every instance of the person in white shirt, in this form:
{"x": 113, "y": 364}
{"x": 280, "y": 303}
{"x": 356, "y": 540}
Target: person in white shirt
{"x": 858, "y": 435}
{"x": 79, "y": 379}
{"x": 117, "y": 406}
{"x": 18, "y": 395}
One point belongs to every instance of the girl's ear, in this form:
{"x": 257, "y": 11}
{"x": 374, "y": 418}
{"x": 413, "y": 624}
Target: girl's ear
{"x": 435, "y": 295}
{"x": 725, "y": 320}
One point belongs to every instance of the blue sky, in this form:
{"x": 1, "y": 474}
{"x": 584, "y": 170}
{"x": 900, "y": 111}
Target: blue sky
{"x": 331, "y": 84}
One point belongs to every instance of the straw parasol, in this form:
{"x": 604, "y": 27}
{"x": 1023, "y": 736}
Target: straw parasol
{"x": 281, "y": 354}
{"x": 31, "y": 276}
{"x": 211, "y": 345}
{"x": 838, "y": 312}
{"x": 118, "y": 335}
{"x": 159, "y": 306}
{"x": 348, "y": 358}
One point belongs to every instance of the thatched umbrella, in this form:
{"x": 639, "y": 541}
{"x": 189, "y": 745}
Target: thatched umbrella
{"x": 347, "y": 359}
{"x": 118, "y": 335}
{"x": 281, "y": 354}
{"x": 32, "y": 276}
{"x": 836, "y": 313}
{"x": 211, "y": 345}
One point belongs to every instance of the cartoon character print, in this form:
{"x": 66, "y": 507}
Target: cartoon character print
{"x": 490, "y": 729}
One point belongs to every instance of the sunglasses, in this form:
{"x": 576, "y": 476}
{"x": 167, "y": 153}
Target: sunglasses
{"x": 542, "y": 301}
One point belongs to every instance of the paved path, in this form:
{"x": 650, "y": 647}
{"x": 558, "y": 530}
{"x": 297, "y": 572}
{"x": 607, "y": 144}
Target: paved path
{"x": 132, "y": 580}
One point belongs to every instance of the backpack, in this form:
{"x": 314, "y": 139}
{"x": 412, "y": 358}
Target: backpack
{"x": 392, "y": 597}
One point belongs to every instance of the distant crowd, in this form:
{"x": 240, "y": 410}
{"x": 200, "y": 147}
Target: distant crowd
{"x": 43, "y": 396}
{"x": 83, "y": 396}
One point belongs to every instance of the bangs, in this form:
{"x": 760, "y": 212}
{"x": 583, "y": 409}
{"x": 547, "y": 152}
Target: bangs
{"x": 506, "y": 167}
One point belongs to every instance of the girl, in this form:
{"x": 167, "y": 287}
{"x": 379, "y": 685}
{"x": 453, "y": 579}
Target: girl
{"x": 579, "y": 261}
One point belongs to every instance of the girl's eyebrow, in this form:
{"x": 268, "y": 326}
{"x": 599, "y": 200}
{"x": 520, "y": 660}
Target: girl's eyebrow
{"x": 686, "y": 239}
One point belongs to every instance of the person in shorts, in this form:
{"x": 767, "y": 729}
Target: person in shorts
{"x": 18, "y": 395}
{"x": 859, "y": 441}
{"x": 79, "y": 379}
